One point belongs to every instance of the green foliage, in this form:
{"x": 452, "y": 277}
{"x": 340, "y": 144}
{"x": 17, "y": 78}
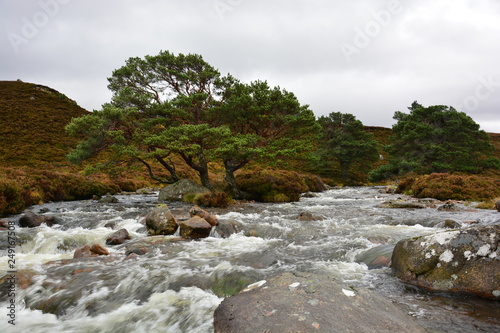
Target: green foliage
{"x": 436, "y": 139}
{"x": 346, "y": 142}
{"x": 444, "y": 186}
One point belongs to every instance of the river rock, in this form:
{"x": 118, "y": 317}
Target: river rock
{"x": 227, "y": 228}
{"x": 90, "y": 251}
{"x": 4, "y": 224}
{"x": 32, "y": 220}
{"x": 401, "y": 204}
{"x": 160, "y": 221}
{"x": 457, "y": 261}
{"x": 108, "y": 199}
{"x": 118, "y": 237}
{"x": 195, "y": 227}
{"x": 210, "y": 218}
{"x": 448, "y": 224}
{"x": 450, "y": 206}
{"x": 376, "y": 257}
{"x": 99, "y": 249}
{"x": 176, "y": 191}
{"x": 497, "y": 205}
{"x": 304, "y": 302}
{"x": 308, "y": 217}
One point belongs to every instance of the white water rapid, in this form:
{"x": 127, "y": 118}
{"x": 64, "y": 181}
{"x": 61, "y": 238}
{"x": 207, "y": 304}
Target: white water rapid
{"x": 177, "y": 286}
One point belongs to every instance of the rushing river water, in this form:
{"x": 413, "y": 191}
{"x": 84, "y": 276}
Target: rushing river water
{"x": 177, "y": 286}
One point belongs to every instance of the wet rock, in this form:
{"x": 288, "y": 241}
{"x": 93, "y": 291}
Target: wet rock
{"x": 110, "y": 225}
{"x": 32, "y": 220}
{"x": 458, "y": 261}
{"x": 210, "y": 218}
{"x": 4, "y": 224}
{"x": 401, "y": 204}
{"x": 90, "y": 251}
{"x": 497, "y": 205}
{"x": 99, "y": 250}
{"x": 309, "y": 303}
{"x": 118, "y": 237}
{"x": 450, "y": 207}
{"x": 376, "y": 257}
{"x": 96, "y": 197}
{"x": 308, "y": 217}
{"x": 227, "y": 228}
{"x": 309, "y": 195}
{"x": 448, "y": 224}
{"x": 161, "y": 221}
{"x": 195, "y": 227}
{"x": 107, "y": 199}
{"x": 176, "y": 191}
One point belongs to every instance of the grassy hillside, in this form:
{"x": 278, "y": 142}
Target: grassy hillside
{"x": 32, "y": 121}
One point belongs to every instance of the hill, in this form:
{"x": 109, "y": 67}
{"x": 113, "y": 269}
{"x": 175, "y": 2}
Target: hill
{"x": 32, "y": 121}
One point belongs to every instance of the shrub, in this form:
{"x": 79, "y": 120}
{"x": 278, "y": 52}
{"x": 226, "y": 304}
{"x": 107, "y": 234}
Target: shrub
{"x": 11, "y": 201}
{"x": 444, "y": 186}
{"x": 212, "y": 199}
{"x": 271, "y": 185}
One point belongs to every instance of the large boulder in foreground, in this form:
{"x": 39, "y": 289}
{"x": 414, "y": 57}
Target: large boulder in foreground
{"x": 160, "y": 221}
{"x": 461, "y": 261}
{"x": 309, "y": 303}
{"x": 176, "y": 191}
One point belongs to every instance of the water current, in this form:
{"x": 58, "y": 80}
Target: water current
{"x": 177, "y": 286}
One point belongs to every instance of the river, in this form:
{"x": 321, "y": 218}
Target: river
{"x": 177, "y": 286}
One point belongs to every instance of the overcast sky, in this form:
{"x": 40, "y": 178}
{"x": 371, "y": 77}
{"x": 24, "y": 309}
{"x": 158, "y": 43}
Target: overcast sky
{"x": 369, "y": 58}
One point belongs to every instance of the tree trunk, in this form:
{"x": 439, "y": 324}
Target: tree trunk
{"x": 152, "y": 175}
{"x": 169, "y": 167}
{"x": 201, "y": 167}
{"x": 231, "y": 167}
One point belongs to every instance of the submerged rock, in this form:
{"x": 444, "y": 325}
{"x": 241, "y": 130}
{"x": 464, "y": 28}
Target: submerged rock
{"x": 401, "y": 204}
{"x": 161, "y": 221}
{"x": 176, "y": 191}
{"x": 376, "y": 257}
{"x": 305, "y": 302}
{"x": 460, "y": 261}
{"x": 108, "y": 199}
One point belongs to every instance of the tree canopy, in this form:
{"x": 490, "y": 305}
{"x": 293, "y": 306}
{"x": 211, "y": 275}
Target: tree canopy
{"x": 436, "y": 139}
{"x": 179, "y": 104}
{"x": 346, "y": 142}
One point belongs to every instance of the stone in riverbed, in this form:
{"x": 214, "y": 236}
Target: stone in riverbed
{"x": 458, "y": 261}
{"x": 161, "y": 221}
{"x": 376, "y": 257}
{"x": 210, "y": 218}
{"x": 195, "y": 227}
{"x": 497, "y": 205}
{"x": 401, "y": 204}
{"x": 305, "y": 302}
{"x": 118, "y": 237}
{"x": 32, "y": 220}
{"x": 90, "y": 251}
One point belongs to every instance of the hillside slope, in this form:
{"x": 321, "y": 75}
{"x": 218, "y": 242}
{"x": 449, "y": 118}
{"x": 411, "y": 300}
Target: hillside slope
{"x": 32, "y": 121}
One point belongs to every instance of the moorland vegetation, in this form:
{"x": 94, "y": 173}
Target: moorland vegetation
{"x": 175, "y": 116}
